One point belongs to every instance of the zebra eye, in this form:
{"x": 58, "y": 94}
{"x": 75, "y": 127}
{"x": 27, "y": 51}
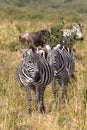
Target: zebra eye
{"x": 29, "y": 61}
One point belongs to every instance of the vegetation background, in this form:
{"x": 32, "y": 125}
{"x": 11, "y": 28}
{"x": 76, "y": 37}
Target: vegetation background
{"x": 17, "y": 16}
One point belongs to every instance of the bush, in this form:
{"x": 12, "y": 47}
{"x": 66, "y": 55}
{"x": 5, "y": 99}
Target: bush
{"x": 55, "y": 36}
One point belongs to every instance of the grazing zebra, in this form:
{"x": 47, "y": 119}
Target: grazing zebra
{"x": 34, "y": 38}
{"x": 75, "y": 31}
{"x": 61, "y": 59}
{"x": 34, "y": 72}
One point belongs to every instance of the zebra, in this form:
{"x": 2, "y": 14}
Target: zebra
{"x": 75, "y": 31}
{"x": 61, "y": 59}
{"x": 34, "y": 72}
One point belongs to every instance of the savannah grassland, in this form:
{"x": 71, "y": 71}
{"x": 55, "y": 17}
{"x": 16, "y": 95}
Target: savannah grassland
{"x": 17, "y": 17}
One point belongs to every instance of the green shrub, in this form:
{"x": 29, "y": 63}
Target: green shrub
{"x": 69, "y": 41}
{"x": 55, "y": 36}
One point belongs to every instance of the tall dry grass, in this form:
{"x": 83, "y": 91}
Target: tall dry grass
{"x": 72, "y": 115}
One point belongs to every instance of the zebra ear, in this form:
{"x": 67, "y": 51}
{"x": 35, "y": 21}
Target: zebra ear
{"x": 48, "y": 47}
{"x": 22, "y": 50}
{"x": 81, "y": 25}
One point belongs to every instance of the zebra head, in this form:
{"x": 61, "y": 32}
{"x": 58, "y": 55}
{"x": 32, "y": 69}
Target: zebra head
{"x": 77, "y": 29}
{"x": 30, "y": 66}
{"x": 53, "y": 57}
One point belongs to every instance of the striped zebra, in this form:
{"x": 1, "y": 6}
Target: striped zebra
{"x": 61, "y": 59}
{"x": 34, "y": 72}
{"x": 75, "y": 31}
{"x": 68, "y": 58}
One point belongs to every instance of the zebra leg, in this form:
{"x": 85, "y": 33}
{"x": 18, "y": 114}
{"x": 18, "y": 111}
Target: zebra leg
{"x": 28, "y": 93}
{"x": 61, "y": 99}
{"x": 54, "y": 87}
{"x": 42, "y": 107}
{"x": 62, "y": 90}
{"x": 64, "y": 79}
{"x": 37, "y": 92}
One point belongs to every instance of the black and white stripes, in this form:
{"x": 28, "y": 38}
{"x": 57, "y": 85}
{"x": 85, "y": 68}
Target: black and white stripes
{"x": 75, "y": 31}
{"x": 34, "y": 70}
{"x": 61, "y": 59}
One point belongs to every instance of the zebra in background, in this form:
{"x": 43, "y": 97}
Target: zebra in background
{"x": 75, "y": 31}
{"x": 61, "y": 59}
{"x": 34, "y": 72}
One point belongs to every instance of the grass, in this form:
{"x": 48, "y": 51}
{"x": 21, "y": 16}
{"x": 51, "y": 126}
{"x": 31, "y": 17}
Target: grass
{"x": 13, "y": 105}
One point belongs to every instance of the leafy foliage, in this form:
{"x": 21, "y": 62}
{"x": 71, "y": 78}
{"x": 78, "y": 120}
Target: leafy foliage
{"x": 69, "y": 41}
{"x": 55, "y": 36}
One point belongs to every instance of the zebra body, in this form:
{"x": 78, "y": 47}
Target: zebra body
{"x": 75, "y": 31}
{"x": 61, "y": 59}
{"x": 68, "y": 58}
{"x": 34, "y": 71}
